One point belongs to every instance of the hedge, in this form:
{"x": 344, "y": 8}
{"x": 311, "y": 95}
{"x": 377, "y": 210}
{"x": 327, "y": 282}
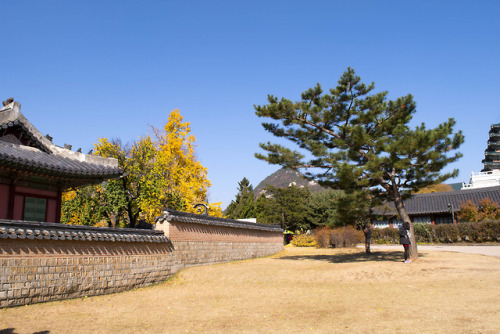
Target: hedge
{"x": 485, "y": 231}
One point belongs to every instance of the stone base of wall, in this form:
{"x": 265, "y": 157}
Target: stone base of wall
{"x": 192, "y": 253}
{"x": 40, "y": 279}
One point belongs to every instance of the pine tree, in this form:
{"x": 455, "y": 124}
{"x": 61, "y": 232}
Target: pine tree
{"x": 322, "y": 208}
{"x": 284, "y": 206}
{"x": 353, "y": 129}
{"x": 244, "y": 204}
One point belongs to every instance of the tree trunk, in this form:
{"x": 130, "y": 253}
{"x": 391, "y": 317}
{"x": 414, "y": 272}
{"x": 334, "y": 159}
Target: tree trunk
{"x": 368, "y": 235}
{"x": 112, "y": 219}
{"x": 367, "y": 245}
{"x": 398, "y": 202}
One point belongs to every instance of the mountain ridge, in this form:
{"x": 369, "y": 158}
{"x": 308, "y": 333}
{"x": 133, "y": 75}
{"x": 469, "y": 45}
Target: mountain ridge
{"x": 285, "y": 177}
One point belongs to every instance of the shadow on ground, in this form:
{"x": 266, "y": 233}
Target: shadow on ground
{"x": 391, "y": 256}
{"x": 13, "y": 331}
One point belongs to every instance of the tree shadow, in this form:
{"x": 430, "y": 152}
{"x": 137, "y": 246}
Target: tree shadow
{"x": 13, "y": 331}
{"x": 349, "y": 257}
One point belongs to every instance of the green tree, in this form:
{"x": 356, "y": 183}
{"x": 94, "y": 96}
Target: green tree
{"x": 322, "y": 208}
{"x": 135, "y": 160}
{"x": 81, "y": 207}
{"x": 157, "y": 173}
{"x": 244, "y": 205}
{"x": 113, "y": 202}
{"x": 284, "y": 206}
{"x": 353, "y": 128}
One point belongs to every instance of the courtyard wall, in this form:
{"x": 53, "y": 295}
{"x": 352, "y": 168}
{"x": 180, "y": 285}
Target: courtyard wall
{"x": 42, "y": 262}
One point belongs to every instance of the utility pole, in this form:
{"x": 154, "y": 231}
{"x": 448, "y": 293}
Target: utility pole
{"x": 450, "y": 207}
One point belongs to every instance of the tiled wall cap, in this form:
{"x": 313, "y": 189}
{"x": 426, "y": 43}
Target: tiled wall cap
{"x": 184, "y": 217}
{"x": 51, "y": 231}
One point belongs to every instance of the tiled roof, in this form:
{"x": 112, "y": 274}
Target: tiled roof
{"x": 15, "y": 229}
{"x": 30, "y": 158}
{"x": 18, "y": 123}
{"x": 12, "y": 118}
{"x": 40, "y": 155}
{"x": 184, "y": 217}
{"x": 438, "y": 202}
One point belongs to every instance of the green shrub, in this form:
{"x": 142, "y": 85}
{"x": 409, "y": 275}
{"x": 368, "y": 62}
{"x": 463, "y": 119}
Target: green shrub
{"x": 447, "y": 233}
{"x": 388, "y": 235}
{"x": 484, "y": 231}
{"x": 423, "y": 233}
{"x": 304, "y": 240}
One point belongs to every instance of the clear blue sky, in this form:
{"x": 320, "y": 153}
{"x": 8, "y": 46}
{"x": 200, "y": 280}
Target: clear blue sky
{"x": 89, "y": 69}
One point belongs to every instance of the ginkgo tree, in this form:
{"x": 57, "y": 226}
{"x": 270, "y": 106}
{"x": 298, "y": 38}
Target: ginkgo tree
{"x": 176, "y": 178}
{"x": 160, "y": 170}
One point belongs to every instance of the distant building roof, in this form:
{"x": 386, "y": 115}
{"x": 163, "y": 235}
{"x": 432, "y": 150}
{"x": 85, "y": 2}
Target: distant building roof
{"x": 24, "y": 148}
{"x": 435, "y": 203}
{"x": 456, "y": 186}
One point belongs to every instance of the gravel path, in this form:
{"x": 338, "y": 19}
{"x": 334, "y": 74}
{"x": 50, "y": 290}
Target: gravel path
{"x": 489, "y": 250}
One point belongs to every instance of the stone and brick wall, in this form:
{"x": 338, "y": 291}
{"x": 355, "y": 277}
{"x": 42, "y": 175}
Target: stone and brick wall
{"x": 42, "y": 262}
{"x": 199, "y": 239}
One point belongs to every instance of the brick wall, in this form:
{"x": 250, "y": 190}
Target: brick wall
{"x": 34, "y": 278}
{"x": 41, "y": 262}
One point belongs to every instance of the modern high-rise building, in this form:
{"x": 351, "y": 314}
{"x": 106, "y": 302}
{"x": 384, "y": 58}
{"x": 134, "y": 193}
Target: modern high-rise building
{"x": 491, "y": 159}
{"x": 490, "y": 175}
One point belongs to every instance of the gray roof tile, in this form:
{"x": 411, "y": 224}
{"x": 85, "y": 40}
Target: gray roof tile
{"x": 33, "y": 159}
{"x": 15, "y": 229}
{"x": 42, "y": 155}
{"x": 435, "y": 203}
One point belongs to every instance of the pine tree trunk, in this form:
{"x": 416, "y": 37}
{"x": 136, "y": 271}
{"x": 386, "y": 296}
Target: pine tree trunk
{"x": 367, "y": 245}
{"x": 398, "y": 202}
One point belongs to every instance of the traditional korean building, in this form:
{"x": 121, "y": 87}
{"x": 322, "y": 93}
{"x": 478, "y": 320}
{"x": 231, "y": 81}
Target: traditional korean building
{"x": 34, "y": 172}
{"x": 436, "y": 208}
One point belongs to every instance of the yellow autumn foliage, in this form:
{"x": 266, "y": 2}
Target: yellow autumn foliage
{"x": 435, "y": 188}
{"x": 164, "y": 171}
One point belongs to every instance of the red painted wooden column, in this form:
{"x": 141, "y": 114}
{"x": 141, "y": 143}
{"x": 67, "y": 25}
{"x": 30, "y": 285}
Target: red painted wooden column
{"x": 10, "y": 205}
{"x": 58, "y": 206}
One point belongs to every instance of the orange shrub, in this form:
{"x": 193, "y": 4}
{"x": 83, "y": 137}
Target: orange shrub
{"x": 340, "y": 237}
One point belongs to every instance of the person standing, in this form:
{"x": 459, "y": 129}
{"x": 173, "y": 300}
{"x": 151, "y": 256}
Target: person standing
{"x": 404, "y": 239}
{"x": 368, "y": 235}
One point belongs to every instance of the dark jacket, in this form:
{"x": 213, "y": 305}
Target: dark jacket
{"x": 403, "y": 236}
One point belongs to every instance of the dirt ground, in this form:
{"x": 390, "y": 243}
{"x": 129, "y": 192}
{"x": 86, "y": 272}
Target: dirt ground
{"x": 301, "y": 290}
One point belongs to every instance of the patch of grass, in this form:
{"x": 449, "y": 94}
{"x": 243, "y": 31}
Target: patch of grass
{"x": 299, "y": 290}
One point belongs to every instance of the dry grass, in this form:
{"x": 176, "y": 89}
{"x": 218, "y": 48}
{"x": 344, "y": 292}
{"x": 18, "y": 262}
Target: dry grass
{"x": 302, "y": 290}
